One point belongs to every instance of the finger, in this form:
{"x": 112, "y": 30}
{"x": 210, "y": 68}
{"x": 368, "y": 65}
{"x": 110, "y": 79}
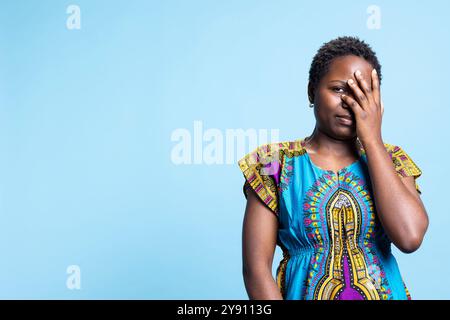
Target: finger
{"x": 359, "y": 95}
{"x": 353, "y": 104}
{"x": 363, "y": 84}
{"x": 376, "y": 87}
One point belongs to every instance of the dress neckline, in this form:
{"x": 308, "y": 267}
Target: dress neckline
{"x": 361, "y": 152}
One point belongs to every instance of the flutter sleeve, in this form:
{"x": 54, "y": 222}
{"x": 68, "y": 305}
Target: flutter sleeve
{"x": 405, "y": 166}
{"x": 261, "y": 170}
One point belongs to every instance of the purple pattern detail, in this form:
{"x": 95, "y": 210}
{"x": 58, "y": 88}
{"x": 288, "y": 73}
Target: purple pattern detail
{"x": 272, "y": 169}
{"x": 348, "y": 293}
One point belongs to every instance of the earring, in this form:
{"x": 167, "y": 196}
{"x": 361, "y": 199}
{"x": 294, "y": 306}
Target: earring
{"x": 311, "y": 105}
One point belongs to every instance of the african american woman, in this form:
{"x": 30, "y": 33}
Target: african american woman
{"x": 334, "y": 201}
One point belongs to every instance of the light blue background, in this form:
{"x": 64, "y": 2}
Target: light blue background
{"x": 86, "y": 118}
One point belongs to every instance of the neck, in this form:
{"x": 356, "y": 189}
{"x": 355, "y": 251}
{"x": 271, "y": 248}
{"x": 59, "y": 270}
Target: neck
{"x": 321, "y": 143}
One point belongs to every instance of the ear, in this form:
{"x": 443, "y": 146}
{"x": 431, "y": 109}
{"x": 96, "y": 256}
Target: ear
{"x": 310, "y": 93}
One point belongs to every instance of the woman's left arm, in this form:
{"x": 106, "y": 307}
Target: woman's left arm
{"x": 399, "y": 207}
{"x": 398, "y": 204}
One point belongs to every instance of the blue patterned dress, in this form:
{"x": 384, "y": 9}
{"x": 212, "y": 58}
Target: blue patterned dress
{"x": 334, "y": 247}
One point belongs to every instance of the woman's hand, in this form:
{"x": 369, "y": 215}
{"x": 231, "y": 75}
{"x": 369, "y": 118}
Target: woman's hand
{"x": 367, "y": 107}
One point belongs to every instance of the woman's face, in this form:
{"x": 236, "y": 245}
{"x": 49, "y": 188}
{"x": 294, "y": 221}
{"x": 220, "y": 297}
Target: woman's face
{"x": 327, "y": 96}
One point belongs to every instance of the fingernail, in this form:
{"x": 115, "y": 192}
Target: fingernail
{"x": 374, "y": 71}
{"x": 350, "y": 81}
{"x": 358, "y": 73}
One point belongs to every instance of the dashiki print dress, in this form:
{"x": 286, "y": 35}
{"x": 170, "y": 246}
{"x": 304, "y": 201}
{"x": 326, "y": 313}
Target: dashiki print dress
{"x": 334, "y": 247}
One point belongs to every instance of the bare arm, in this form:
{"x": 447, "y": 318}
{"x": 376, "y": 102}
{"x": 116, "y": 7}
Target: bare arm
{"x": 399, "y": 206}
{"x": 259, "y": 238}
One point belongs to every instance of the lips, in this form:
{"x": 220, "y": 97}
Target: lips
{"x": 345, "y": 116}
{"x": 345, "y": 119}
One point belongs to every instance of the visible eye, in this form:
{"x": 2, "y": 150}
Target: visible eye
{"x": 336, "y": 89}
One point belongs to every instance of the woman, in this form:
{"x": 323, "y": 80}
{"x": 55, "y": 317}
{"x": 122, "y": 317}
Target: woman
{"x": 336, "y": 200}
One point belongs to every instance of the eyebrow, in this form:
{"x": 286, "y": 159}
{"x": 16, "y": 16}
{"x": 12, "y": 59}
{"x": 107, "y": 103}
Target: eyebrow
{"x": 340, "y": 81}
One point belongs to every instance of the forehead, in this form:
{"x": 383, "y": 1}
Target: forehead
{"x": 344, "y": 67}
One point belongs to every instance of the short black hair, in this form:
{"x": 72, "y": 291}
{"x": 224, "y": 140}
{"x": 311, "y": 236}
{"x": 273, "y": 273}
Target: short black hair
{"x": 341, "y": 46}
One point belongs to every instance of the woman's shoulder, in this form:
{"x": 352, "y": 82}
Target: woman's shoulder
{"x": 403, "y": 162}
{"x": 274, "y": 150}
{"x": 262, "y": 168}
{"x": 392, "y": 149}
{"x": 396, "y": 152}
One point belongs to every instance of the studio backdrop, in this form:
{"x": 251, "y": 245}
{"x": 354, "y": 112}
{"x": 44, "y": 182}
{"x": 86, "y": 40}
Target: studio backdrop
{"x": 121, "y": 124}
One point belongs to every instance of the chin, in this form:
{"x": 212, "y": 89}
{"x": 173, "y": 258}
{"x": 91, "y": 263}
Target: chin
{"x": 348, "y": 134}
